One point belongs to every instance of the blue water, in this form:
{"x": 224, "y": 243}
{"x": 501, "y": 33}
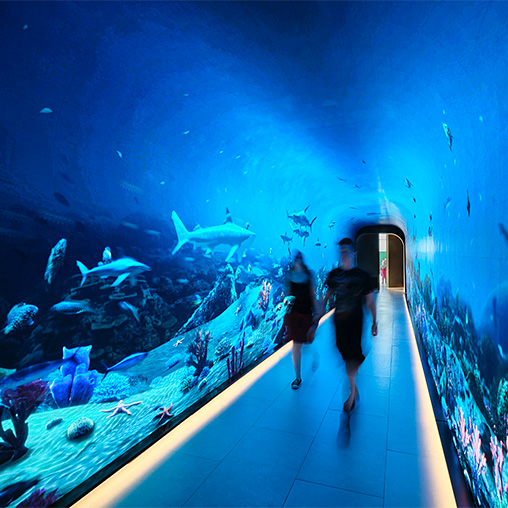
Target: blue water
{"x": 116, "y": 114}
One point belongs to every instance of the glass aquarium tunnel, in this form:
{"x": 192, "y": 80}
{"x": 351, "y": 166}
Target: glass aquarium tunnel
{"x": 162, "y": 162}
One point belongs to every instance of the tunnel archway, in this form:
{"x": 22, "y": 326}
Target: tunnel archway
{"x": 367, "y": 245}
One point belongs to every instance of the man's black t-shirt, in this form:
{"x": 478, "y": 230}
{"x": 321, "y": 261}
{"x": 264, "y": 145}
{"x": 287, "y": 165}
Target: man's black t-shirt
{"x": 348, "y": 287}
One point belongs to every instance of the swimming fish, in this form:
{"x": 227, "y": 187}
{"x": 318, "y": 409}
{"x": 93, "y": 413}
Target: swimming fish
{"x": 448, "y": 134}
{"x": 74, "y": 356}
{"x": 447, "y": 204}
{"x": 61, "y": 199}
{"x": 468, "y": 207}
{"x": 197, "y": 300}
{"x": 286, "y": 239}
{"x": 130, "y": 308}
{"x": 72, "y": 307}
{"x": 318, "y": 243}
{"x": 129, "y": 225}
{"x": 46, "y": 111}
{"x": 332, "y": 224}
{"x": 408, "y": 183}
{"x": 182, "y": 281}
{"x": 301, "y": 219}
{"x": 122, "y": 269}
{"x": 229, "y": 219}
{"x": 19, "y": 317}
{"x": 152, "y": 232}
{"x": 211, "y": 237}
{"x": 126, "y": 363}
{"x": 55, "y": 261}
{"x": 119, "y": 154}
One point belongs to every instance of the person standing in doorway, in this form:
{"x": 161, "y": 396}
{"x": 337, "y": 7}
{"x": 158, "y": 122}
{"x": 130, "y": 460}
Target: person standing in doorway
{"x": 348, "y": 288}
{"x": 383, "y": 272}
{"x": 299, "y": 321}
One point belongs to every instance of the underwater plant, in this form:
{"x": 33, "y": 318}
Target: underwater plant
{"x": 32, "y": 394}
{"x": 496, "y": 449}
{"x": 39, "y": 499}
{"x": 264, "y": 296}
{"x": 197, "y": 352}
{"x": 235, "y": 365}
{"x": 13, "y": 445}
{"x": 223, "y": 348}
{"x": 114, "y": 387}
{"x": 478, "y": 461}
{"x": 188, "y": 382}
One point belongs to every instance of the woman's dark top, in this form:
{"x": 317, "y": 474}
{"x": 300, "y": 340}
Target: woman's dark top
{"x": 302, "y": 291}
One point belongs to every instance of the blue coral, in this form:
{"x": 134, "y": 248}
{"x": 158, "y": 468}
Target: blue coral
{"x": 113, "y": 387}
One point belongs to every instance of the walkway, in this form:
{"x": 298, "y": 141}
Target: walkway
{"x": 277, "y": 447}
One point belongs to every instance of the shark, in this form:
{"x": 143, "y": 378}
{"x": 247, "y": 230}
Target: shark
{"x": 301, "y": 219}
{"x": 74, "y": 356}
{"x": 211, "y": 237}
{"x": 123, "y": 268}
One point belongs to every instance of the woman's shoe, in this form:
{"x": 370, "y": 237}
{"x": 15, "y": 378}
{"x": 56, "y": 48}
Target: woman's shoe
{"x": 296, "y": 383}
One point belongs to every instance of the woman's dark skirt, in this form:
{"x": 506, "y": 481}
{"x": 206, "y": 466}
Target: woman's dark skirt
{"x": 296, "y": 327}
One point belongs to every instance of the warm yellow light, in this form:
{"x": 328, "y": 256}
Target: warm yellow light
{"x": 118, "y": 485}
{"x": 436, "y": 471}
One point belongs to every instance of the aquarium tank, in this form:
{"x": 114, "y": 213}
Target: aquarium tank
{"x": 161, "y": 163}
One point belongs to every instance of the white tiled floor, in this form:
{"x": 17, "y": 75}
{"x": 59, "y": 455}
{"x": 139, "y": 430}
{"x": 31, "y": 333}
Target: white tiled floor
{"x": 277, "y": 447}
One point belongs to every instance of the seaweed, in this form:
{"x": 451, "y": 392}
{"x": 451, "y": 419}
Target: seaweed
{"x": 39, "y": 499}
{"x": 197, "y": 352}
{"x": 32, "y": 394}
{"x": 13, "y": 445}
{"x": 235, "y": 365}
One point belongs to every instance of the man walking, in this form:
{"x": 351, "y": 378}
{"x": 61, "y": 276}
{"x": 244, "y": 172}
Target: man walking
{"x": 348, "y": 286}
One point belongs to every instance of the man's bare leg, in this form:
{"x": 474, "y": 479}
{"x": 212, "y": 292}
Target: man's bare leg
{"x": 352, "y": 367}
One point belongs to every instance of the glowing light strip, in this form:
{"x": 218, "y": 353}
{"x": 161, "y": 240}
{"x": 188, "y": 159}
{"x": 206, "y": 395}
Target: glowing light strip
{"x": 435, "y": 473}
{"x": 121, "y": 483}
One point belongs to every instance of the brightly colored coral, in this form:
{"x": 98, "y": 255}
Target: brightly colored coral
{"x": 32, "y": 394}
{"x": 113, "y": 387}
{"x": 264, "y": 296}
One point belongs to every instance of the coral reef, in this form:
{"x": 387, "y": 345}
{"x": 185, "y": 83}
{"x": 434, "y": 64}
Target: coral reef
{"x": 81, "y": 427}
{"x": 223, "y": 348}
{"x": 113, "y": 387}
{"x": 197, "y": 352}
{"x": 32, "y": 394}
{"x": 74, "y": 384}
{"x": 13, "y": 445}
{"x": 264, "y": 296}
{"x": 218, "y": 300}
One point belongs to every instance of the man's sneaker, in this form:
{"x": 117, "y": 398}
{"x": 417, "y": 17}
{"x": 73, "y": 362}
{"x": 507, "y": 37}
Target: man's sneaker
{"x": 296, "y": 383}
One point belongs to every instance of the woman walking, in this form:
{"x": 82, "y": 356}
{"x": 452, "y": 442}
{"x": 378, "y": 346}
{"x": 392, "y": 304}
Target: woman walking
{"x": 300, "y": 319}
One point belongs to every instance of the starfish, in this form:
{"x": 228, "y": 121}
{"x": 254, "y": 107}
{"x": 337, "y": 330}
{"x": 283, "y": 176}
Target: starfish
{"x": 178, "y": 342}
{"x": 164, "y": 413}
{"x": 120, "y": 408}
